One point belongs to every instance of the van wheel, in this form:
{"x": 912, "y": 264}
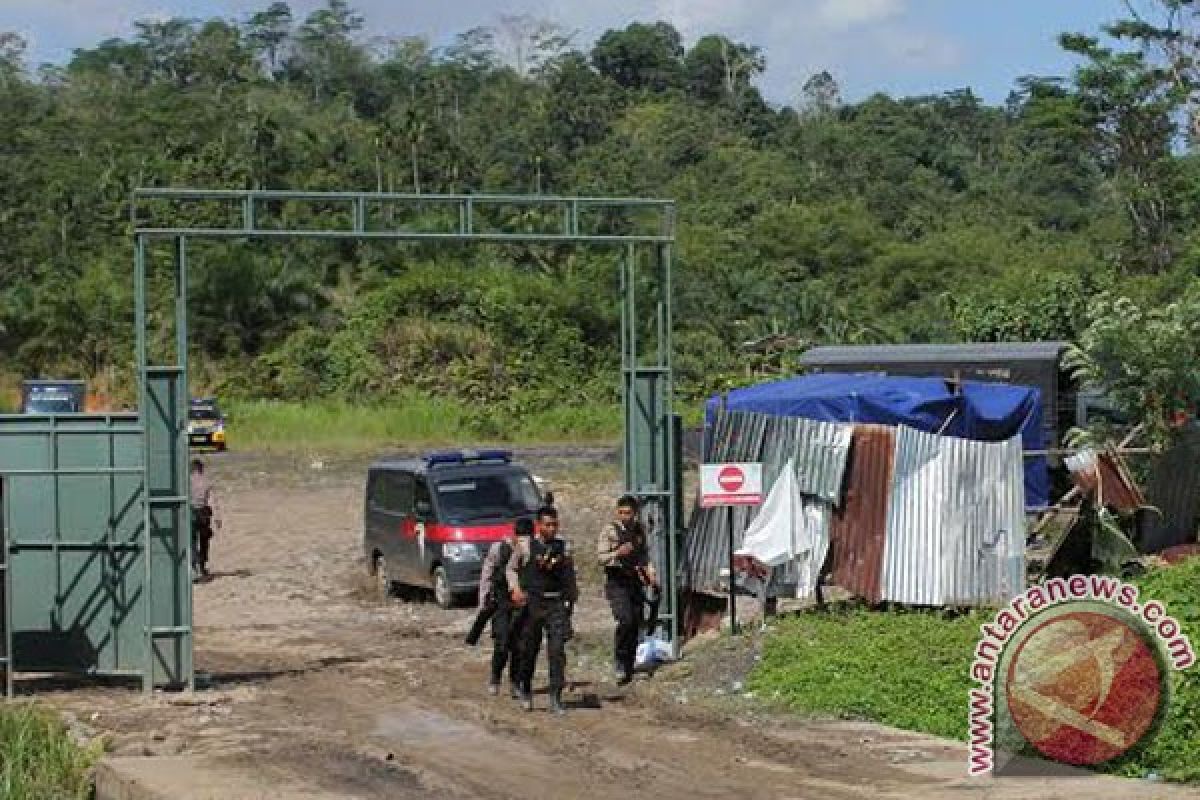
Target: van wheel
{"x": 441, "y": 588}
{"x": 383, "y": 582}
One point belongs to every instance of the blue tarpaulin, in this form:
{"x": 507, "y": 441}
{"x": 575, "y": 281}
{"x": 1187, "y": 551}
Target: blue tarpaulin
{"x": 987, "y": 412}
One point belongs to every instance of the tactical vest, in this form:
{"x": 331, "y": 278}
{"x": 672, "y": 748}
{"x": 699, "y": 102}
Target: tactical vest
{"x": 500, "y": 587}
{"x": 544, "y": 573}
{"x": 625, "y": 570}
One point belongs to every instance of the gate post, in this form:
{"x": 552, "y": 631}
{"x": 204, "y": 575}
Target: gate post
{"x": 652, "y": 459}
{"x": 167, "y": 591}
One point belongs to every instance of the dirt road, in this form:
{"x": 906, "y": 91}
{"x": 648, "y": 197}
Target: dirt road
{"x": 314, "y": 687}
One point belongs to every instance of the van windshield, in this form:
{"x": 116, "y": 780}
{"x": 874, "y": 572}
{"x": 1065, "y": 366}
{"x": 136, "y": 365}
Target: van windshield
{"x": 479, "y": 497}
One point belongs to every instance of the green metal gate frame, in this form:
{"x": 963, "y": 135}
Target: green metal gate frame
{"x": 652, "y": 463}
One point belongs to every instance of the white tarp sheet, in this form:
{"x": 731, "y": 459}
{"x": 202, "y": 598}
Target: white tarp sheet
{"x": 790, "y": 530}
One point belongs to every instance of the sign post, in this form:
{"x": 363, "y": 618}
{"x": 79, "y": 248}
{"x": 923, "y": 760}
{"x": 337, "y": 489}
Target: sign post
{"x": 731, "y": 485}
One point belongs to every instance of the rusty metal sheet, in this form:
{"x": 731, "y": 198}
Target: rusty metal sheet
{"x": 859, "y": 526}
{"x": 956, "y": 522}
{"x": 1106, "y": 477}
{"x": 701, "y": 612}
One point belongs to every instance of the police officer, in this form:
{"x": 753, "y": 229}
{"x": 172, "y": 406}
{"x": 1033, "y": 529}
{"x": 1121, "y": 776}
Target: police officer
{"x": 542, "y": 578}
{"x": 495, "y": 603}
{"x": 624, "y": 554}
{"x": 204, "y": 516}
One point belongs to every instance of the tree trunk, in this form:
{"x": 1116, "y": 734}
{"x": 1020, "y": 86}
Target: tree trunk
{"x": 416, "y": 170}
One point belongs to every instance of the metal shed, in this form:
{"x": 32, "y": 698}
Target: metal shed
{"x": 1027, "y": 363}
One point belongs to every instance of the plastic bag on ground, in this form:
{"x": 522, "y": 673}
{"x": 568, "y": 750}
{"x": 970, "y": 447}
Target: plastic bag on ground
{"x": 653, "y": 650}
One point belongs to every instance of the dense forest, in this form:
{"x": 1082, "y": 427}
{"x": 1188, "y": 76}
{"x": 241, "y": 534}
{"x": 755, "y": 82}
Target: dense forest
{"x": 935, "y": 218}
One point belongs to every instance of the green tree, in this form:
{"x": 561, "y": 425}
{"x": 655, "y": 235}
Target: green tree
{"x": 718, "y": 70}
{"x": 641, "y": 56}
{"x": 820, "y": 94}
{"x": 1147, "y": 359}
{"x": 325, "y": 55}
{"x": 1135, "y": 98}
{"x": 269, "y": 31}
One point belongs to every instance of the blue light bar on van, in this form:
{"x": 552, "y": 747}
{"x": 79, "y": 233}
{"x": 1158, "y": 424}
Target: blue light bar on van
{"x": 463, "y": 456}
{"x": 444, "y": 457}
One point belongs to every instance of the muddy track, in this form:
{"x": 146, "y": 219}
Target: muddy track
{"x": 308, "y": 678}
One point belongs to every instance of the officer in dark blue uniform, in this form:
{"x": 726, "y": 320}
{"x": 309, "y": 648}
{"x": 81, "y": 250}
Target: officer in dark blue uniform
{"x": 543, "y": 580}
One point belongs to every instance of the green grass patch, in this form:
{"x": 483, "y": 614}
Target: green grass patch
{"x": 911, "y": 670}
{"x": 566, "y": 424}
{"x": 38, "y": 759}
{"x": 906, "y": 669}
{"x": 415, "y": 420}
{"x": 1174, "y": 753}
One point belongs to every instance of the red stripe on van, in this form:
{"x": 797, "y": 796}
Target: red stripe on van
{"x": 467, "y": 533}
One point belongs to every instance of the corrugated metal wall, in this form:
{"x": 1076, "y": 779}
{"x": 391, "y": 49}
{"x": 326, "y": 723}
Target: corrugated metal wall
{"x": 956, "y": 523}
{"x": 820, "y": 451}
{"x": 738, "y": 437}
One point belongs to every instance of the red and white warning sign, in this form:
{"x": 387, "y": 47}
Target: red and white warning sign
{"x": 730, "y": 485}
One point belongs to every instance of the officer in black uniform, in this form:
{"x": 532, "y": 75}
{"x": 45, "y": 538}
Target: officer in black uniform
{"x": 542, "y": 578}
{"x": 506, "y": 620}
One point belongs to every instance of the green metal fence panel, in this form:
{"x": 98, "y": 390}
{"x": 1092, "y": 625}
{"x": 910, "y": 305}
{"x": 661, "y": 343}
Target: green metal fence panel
{"x": 73, "y": 531}
{"x": 648, "y": 423}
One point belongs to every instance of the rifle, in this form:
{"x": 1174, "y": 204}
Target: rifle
{"x": 481, "y": 619}
{"x": 652, "y": 596}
